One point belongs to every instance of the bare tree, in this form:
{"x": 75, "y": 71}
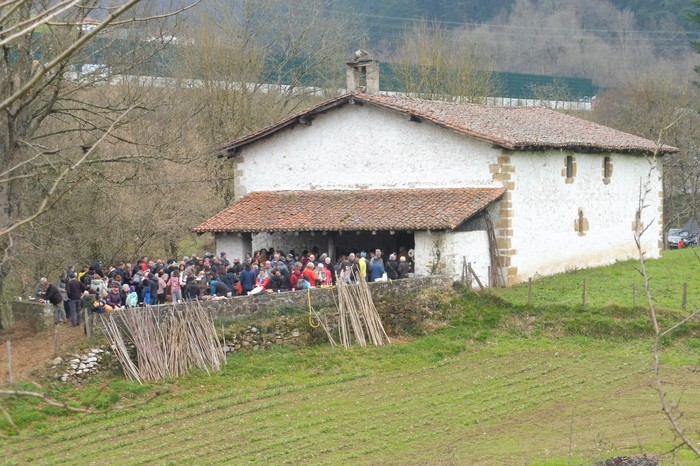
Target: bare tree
{"x": 50, "y": 127}
{"x": 255, "y": 61}
{"x": 434, "y": 63}
{"x": 668, "y": 405}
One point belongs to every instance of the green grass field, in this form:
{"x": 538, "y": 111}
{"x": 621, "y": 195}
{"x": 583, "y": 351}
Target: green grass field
{"x": 503, "y": 383}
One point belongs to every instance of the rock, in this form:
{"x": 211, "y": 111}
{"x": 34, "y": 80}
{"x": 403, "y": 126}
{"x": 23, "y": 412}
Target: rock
{"x": 75, "y": 361}
{"x": 91, "y": 354}
{"x": 57, "y": 361}
{"x": 254, "y": 330}
{"x": 82, "y": 366}
{"x": 92, "y": 359}
{"x": 295, "y": 333}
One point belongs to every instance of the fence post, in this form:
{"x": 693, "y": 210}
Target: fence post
{"x": 55, "y": 340}
{"x": 583, "y": 295}
{"x": 87, "y": 322}
{"x": 489, "y": 278}
{"x": 9, "y": 362}
{"x": 685, "y": 295}
{"x": 469, "y": 275}
{"x": 529, "y": 291}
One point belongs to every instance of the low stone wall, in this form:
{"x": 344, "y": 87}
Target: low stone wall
{"x": 239, "y": 306}
{"x": 267, "y": 319}
{"x": 39, "y": 315}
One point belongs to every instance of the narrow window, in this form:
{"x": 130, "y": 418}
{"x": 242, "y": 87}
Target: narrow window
{"x": 607, "y": 169}
{"x": 569, "y": 166}
{"x": 580, "y": 222}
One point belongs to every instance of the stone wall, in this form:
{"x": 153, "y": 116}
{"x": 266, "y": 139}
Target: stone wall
{"x": 267, "y": 319}
{"x": 39, "y": 315}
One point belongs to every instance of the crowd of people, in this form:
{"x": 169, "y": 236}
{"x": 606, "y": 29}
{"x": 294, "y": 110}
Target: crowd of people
{"x": 210, "y": 277}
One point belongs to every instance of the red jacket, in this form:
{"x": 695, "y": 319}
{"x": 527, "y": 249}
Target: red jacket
{"x": 293, "y": 279}
{"x": 310, "y": 275}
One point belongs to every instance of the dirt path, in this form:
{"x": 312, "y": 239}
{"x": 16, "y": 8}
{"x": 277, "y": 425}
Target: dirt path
{"x": 31, "y": 350}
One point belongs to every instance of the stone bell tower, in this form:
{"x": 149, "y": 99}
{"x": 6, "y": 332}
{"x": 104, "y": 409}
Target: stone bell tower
{"x": 363, "y": 73}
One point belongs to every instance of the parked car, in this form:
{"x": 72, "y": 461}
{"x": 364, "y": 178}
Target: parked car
{"x": 676, "y": 234}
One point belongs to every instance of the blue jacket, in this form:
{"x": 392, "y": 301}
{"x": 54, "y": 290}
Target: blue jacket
{"x": 247, "y": 280}
{"x": 376, "y": 270}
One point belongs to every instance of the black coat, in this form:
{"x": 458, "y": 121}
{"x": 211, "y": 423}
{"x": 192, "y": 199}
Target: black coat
{"x": 52, "y": 295}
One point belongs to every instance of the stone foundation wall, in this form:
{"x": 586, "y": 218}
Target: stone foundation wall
{"x": 261, "y": 321}
{"x": 39, "y": 315}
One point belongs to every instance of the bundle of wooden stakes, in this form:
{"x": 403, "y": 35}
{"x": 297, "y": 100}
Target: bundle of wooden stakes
{"x": 167, "y": 345}
{"x": 357, "y": 316}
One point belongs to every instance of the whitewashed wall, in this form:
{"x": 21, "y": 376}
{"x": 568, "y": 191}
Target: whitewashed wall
{"x": 474, "y": 245}
{"x": 289, "y": 241}
{"x": 546, "y": 208}
{"x": 360, "y": 147}
{"x": 233, "y": 245}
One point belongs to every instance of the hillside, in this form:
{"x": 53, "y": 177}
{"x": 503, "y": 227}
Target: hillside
{"x": 501, "y": 383}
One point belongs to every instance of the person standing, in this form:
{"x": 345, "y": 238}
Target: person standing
{"x": 376, "y": 270}
{"x": 404, "y": 267}
{"x": 175, "y": 287}
{"x": 51, "y": 294}
{"x": 74, "y": 291}
{"x": 162, "y": 287}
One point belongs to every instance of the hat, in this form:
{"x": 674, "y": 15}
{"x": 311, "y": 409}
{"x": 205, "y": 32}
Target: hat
{"x": 363, "y": 254}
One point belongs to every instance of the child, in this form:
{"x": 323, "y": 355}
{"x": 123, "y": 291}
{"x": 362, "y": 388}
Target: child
{"x": 132, "y": 299}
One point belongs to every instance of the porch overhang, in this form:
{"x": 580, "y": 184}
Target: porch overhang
{"x": 351, "y": 210}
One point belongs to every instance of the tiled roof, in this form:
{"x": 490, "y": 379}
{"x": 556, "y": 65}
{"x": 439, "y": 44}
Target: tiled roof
{"x": 516, "y": 128}
{"x": 379, "y": 209}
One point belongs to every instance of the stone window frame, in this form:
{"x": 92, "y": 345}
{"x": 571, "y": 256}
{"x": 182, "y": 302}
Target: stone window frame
{"x": 569, "y": 170}
{"x": 581, "y": 223}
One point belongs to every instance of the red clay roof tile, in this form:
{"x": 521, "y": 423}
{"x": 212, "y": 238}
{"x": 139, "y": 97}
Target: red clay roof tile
{"x": 379, "y": 209}
{"x": 517, "y": 128}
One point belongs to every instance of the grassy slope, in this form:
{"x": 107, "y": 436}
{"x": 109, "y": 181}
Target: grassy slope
{"x": 502, "y": 384}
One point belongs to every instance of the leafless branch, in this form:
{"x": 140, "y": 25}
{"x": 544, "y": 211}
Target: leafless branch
{"x": 70, "y": 50}
{"x": 666, "y": 406}
{"x": 44, "y": 206}
{"x": 681, "y": 323}
{"x": 66, "y": 406}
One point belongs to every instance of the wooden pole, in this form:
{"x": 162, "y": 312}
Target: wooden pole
{"x": 685, "y": 295}
{"x": 87, "y": 323}
{"x": 10, "y": 379}
{"x": 469, "y": 275}
{"x": 476, "y": 277}
{"x": 583, "y": 295}
{"x": 489, "y": 277}
{"x": 55, "y": 340}
{"x": 529, "y": 291}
